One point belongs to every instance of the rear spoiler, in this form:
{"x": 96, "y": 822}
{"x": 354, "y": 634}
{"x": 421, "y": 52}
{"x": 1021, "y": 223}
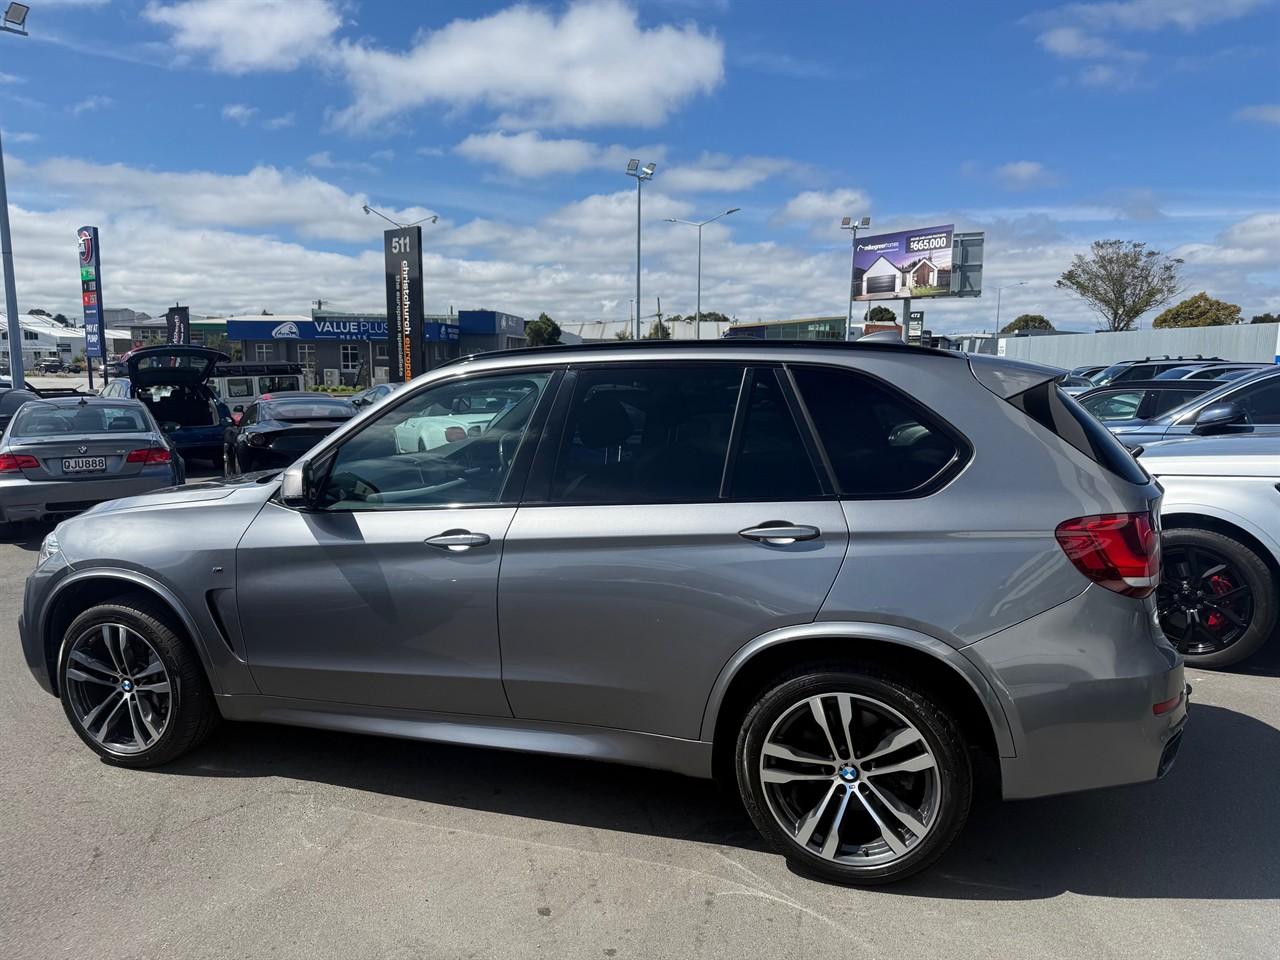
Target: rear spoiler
{"x": 1008, "y": 378}
{"x": 47, "y": 392}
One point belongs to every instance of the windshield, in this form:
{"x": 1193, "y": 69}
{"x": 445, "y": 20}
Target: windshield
{"x": 1106, "y": 375}
{"x": 47, "y": 420}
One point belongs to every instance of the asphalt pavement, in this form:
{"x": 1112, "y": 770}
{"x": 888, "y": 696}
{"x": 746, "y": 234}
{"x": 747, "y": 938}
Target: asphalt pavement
{"x": 276, "y": 842}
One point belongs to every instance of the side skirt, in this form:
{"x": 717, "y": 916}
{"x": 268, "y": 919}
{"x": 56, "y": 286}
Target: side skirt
{"x": 689, "y": 757}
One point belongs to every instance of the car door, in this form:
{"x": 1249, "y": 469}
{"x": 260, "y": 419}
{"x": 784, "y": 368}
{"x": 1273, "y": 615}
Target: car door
{"x": 675, "y": 512}
{"x": 386, "y": 595}
{"x": 1259, "y": 399}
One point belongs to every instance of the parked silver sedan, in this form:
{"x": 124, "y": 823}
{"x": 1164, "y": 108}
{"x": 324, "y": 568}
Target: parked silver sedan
{"x": 61, "y": 455}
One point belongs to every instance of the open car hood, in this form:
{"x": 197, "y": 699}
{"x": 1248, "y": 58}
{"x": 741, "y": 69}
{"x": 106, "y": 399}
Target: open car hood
{"x": 172, "y": 364}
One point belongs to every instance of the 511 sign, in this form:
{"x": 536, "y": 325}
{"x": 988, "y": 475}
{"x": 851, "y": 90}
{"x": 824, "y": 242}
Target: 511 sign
{"x": 402, "y": 251}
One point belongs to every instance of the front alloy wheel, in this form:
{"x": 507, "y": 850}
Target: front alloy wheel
{"x": 854, "y": 775}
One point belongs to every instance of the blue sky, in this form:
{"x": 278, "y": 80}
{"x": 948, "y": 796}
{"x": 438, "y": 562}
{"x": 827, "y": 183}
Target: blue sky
{"x": 225, "y": 147}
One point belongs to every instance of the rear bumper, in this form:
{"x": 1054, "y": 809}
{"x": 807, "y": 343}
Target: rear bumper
{"x": 36, "y": 499}
{"x": 1081, "y": 685}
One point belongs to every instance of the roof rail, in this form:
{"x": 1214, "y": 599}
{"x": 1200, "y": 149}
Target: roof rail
{"x": 724, "y": 343}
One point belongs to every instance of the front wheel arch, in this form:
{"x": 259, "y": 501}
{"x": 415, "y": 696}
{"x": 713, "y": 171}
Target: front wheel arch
{"x": 78, "y": 595}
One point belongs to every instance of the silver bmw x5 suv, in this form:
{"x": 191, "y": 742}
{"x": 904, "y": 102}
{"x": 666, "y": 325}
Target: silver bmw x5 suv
{"x": 849, "y": 578}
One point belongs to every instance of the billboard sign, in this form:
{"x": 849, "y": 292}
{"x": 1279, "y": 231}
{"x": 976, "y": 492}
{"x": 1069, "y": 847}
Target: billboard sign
{"x": 91, "y": 293}
{"x": 402, "y": 252}
{"x": 906, "y": 264}
{"x": 177, "y": 321}
{"x": 317, "y": 328}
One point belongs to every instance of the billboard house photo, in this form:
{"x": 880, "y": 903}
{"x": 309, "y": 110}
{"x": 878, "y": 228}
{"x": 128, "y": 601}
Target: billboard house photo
{"x": 910, "y": 263}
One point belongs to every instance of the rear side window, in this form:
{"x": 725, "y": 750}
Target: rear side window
{"x": 879, "y": 442}
{"x": 1062, "y": 416}
{"x": 771, "y": 462}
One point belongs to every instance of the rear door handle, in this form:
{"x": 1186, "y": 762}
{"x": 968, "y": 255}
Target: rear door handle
{"x": 779, "y": 533}
{"x": 458, "y": 540}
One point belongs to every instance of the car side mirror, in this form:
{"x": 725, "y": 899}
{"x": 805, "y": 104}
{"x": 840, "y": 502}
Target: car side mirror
{"x": 1219, "y": 418}
{"x": 170, "y": 426}
{"x": 295, "y": 484}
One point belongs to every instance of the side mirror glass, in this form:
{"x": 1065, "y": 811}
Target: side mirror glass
{"x": 1219, "y": 418}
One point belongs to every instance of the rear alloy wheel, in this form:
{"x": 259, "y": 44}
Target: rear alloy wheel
{"x": 854, "y": 775}
{"x": 1216, "y": 599}
{"x": 133, "y": 689}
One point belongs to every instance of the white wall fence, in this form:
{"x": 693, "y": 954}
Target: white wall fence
{"x": 1254, "y": 342}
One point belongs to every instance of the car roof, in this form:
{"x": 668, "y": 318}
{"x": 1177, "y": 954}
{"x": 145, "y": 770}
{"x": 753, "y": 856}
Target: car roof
{"x": 660, "y": 347}
{"x": 1123, "y": 385}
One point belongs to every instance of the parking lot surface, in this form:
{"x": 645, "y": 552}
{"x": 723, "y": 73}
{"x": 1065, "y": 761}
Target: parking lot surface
{"x": 275, "y": 842}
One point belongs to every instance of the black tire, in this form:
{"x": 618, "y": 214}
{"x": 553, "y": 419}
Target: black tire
{"x": 191, "y": 714}
{"x": 1243, "y": 564}
{"x": 952, "y": 775}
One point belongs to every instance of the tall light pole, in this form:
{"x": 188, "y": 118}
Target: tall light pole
{"x": 12, "y": 21}
{"x": 852, "y": 225}
{"x": 697, "y": 323}
{"x": 641, "y": 174}
{"x": 396, "y": 223}
{"x": 1000, "y": 290}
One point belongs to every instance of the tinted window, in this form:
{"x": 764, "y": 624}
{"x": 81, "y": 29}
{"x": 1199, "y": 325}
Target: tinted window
{"x": 1162, "y": 401}
{"x": 1143, "y": 372}
{"x": 453, "y": 443}
{"x": 772, "y": 462}
{"x": 1062, "y": 416}
{"x": 879, "y": 442}
{"x": 306, "y": 409}
{"x": 1261, "y": 402}
{"x": 652, "y": 434}
{"x": 286, "y": 382}
{"x": 47, "y": 420}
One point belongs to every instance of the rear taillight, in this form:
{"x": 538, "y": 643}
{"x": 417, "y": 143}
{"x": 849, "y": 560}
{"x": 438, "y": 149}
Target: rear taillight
{"x": 12, "y": 462}
{"x": 1119, "y": 551}
{"x": 154, "y": 455}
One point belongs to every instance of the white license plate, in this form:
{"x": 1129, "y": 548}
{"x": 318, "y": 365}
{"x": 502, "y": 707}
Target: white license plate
{"x": 83, "y": 464}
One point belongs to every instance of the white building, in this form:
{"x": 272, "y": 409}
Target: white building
{"x": 41, "y": 337}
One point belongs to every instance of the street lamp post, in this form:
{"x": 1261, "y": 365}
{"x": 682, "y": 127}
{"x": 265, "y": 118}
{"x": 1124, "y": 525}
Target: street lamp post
{"x": 852, "y": 225}
{"x": 1000, "y": 290}
{"x": 395, "y": 223}
{"x": 12, "y": 21}
{"x": 641, "y": 174}
{"x": 697, "y": 323}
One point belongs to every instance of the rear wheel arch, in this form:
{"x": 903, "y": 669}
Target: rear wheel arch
{"x": 1182, "y": 520}
{"x": 759, "y": 671}
{"x": 79, "y": 594}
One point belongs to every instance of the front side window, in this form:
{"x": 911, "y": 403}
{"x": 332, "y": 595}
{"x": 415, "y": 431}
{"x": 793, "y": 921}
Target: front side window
{"x": 451, "y": 444}
{"x": 879, "y": 443}
{"x": 650, "y": 434}
{"x": 1262, "y": 402}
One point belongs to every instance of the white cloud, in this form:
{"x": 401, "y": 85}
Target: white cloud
{"x": 324, "y": 161}
{"x": 1189, "y": 15}
{"x": 528, "y": 154}
{"x": 280, "y": 122}
{"x": 20, "y": 136}
{"x": 265, "y": 198}
{"x": 1023, "y": 174}
{"x": 1072, "y": 42}
{"x": 239, "y": 37}
{"x": 94, "y": 102}
{"x": 11, "y": 78}
{"x": 721, "y": 172}
{"x": 1252, "y": 242}
{"x": 238, "y": 113}
{"x": 817, "y": 206}
{"x": 1260, "y": 113}
{"x": 593, "y": 64}
{"x": 430, "y": 151}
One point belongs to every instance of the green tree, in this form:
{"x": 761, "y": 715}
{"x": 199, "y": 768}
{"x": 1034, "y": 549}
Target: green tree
{"x": 1265, "y": 318}
{"x": 1026, "y": 321}
{"x": 881, "y": 315}
{"x": 542, "y": 332}
{"x": 1121, "y": 280}
{"x": 37, "y": 312}
{"x": 658, "y": 331}
{"x": 1200, "y": 310}
{"x": 624, "y": 333}
{"x": 62, "y": 319}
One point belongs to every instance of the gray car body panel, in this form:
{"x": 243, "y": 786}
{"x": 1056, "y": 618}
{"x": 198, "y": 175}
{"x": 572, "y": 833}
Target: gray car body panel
{"x": 616, "y": 631}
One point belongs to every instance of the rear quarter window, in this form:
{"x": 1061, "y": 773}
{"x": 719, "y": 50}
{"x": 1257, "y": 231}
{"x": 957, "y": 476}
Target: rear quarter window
{"x": 879, "y": 442}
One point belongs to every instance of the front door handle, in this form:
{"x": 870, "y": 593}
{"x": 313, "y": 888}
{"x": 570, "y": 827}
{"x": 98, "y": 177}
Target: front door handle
{"x": 779, "y": 533}
{"x": 456, "y": 541}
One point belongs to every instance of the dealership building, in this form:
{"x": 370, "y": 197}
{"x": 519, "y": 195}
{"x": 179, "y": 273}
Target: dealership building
{"x": 347, "y": 348}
